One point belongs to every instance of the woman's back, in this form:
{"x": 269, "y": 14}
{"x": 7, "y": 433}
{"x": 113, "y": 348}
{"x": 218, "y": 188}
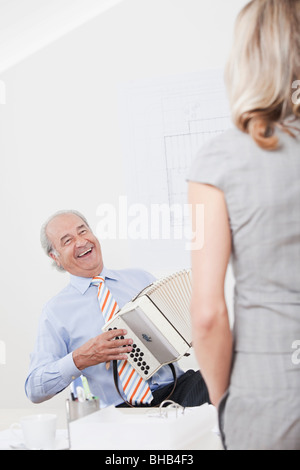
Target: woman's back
{"x": 263, "y": 198}
{"x": 262, "y": 193}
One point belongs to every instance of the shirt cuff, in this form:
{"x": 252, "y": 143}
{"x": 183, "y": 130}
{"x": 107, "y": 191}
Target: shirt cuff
{"x": 68, "y": 370}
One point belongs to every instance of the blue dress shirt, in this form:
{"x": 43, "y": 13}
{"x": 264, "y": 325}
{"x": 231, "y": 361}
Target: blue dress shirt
{"x": 68, "y": 321}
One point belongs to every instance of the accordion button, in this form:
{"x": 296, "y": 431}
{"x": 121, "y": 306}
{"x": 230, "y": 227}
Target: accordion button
{"x": 139, "y": 364}
{"x": 147, "y": 367}
{"x": 146, "y": 372}
{"x": 142, "y": 368}
{"x": 134, "y": 346}
{"x": 135, "y": 359}
{"x": 144, "y": 363}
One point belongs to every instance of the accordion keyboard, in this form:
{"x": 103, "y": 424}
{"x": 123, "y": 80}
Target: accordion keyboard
{"x": 141, "y": 358}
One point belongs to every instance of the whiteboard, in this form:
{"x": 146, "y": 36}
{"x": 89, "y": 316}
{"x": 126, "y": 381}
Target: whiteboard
{"x": 164, "y": 122}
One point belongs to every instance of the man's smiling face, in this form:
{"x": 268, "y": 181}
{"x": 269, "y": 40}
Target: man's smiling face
{"x": 78, "y": 249}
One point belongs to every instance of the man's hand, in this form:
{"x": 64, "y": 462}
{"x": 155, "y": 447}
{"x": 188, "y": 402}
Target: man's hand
{"x": 102, "y": 348}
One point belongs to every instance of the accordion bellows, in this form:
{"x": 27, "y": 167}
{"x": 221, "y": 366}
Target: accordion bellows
{"x": 158, "y": 321}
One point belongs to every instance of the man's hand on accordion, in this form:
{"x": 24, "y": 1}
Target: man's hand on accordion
{"x": 109, "y": 346}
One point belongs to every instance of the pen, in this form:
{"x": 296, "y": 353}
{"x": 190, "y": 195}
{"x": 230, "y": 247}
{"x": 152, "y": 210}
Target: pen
{"x": 86, "y": 388}
{"x": 80, "y": 394}
{"x": 72, "y": 394}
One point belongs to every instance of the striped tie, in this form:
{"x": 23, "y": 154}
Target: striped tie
{"x": 135, "y": 388}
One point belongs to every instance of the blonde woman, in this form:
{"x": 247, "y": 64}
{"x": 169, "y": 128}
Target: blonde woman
{"x": 249, "y": 182}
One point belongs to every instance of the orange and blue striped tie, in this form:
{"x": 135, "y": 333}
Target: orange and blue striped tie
{"x": 135, "y": 388}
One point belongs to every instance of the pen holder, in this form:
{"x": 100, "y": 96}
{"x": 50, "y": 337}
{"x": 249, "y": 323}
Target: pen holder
{"x": 77, "y": 409}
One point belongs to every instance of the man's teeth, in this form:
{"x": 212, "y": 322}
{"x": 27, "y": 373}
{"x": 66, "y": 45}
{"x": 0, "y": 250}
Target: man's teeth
{"x": 87, "y": 251}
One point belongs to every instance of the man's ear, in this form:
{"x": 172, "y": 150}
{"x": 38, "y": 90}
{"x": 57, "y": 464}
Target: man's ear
{"x": 52, "y": 255}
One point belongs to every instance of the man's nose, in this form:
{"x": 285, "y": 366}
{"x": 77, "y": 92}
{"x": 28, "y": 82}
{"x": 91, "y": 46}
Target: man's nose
{"x": 80, "y": 242}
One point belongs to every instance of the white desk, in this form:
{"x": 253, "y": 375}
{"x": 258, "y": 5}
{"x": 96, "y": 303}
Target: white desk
{"x": 124, "y": 429}
{"x": 144, "y": 429}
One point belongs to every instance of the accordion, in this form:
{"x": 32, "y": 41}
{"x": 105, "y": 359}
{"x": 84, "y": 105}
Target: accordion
{"x": 158, "y": 321}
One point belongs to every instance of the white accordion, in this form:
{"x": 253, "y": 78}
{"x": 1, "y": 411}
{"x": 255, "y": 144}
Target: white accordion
{"x": 158, "y": 321}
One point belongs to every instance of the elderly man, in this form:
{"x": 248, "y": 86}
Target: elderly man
{"x": 70, "y": 341}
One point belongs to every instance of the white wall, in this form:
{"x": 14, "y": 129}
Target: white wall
{"x": 60, "y": 143}
{"x": 28, "y": 26}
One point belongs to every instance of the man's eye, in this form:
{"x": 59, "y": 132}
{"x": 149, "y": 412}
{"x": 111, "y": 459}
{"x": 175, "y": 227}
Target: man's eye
{"x": 83, "y": 231}
{"x": 67, "y": 241}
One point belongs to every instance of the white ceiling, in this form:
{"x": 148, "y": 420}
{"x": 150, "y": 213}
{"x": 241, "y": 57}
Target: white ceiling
{"x": 27, "y": 26}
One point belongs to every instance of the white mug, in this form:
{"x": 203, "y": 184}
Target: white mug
{"x": 38, "y": 431}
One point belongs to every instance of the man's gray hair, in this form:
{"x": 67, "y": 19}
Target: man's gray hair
{"x": 46, "y": 242}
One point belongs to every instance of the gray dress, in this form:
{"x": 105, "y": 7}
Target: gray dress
{"x": 261, "y": 409}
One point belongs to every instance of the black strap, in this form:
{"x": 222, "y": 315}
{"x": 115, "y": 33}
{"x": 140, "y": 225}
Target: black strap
{"x": 116, "y": 380}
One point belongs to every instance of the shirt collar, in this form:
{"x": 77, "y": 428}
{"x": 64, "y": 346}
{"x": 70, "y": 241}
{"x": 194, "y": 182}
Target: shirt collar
{"x": 83, "y": 283}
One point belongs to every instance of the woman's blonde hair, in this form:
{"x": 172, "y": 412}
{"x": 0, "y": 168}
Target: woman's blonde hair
{"x": 264, "y": 64}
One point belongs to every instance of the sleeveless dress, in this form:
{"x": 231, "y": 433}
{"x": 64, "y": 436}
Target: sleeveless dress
{"x": 261, "y": 408}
